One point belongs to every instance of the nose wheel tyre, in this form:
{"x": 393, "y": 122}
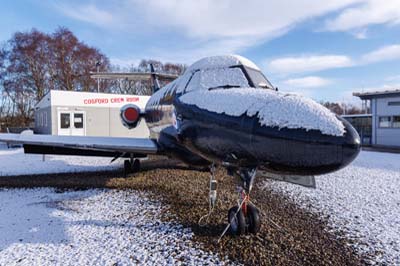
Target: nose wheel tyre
{"x": 253, "y": 219}
{"x": 236, "y": 221}
{"x": 127, "y": 167}
{"x": 136, "y": 166}
{"x": 133, "y": 167}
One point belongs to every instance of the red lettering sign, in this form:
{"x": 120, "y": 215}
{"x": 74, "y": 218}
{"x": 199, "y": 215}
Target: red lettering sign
{"x": 96, "y": 101}
{"x": 132, "y": 99}
{"x": 112, "y": 100}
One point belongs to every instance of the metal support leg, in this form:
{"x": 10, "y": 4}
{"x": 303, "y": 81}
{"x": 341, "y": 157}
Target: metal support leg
{"x": 212, "y": 196}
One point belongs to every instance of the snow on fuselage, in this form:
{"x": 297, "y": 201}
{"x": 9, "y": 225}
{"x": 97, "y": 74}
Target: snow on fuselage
{"x": 217, "y": 111}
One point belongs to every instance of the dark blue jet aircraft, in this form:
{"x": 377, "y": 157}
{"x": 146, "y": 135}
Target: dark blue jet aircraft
{"x": 223, "y": 111}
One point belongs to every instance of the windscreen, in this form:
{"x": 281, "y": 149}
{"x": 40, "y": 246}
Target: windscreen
{"x": 258, "y": 78}
{"x": 217, "y": 77}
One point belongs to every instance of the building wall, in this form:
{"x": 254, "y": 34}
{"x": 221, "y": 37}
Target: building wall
{"x": 43, "y": 120}
{"x": 101, "y": 113}
{"x": 101, "y": 121}
{"x": 374, "y": 121}
{"x": 386, "y": 136}
{"x": 117, "y": 129}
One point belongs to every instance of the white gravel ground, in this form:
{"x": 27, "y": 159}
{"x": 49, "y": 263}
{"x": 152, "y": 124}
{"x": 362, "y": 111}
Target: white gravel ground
{"x": 362, "y": 200}
{"x": 93, "y": 227}
{"x": 15, "y": 162}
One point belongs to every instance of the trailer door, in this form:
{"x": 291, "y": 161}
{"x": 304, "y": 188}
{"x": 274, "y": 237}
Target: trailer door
{"x": 64, "y": 123}
{"x": 78, "y": 124}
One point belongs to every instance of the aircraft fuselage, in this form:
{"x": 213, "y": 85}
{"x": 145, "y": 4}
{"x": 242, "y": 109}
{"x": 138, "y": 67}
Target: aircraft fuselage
{"x": 201, "y": 137}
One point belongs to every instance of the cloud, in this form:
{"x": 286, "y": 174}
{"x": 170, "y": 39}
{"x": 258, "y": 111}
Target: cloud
{"x": 87, "y": 13}
{"x": 313, "y": 63}
{"x": 307, "y": 82}
{"x": 393, "y": 78}
{"x": 233, "y": 18}
{"x": 360, "y": 34}
{"x": 364, "y": 14}
{"x": 386, "y": 53}
{"x": 208, "y": 26}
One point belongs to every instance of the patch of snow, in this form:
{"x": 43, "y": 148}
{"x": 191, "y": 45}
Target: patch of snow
{"x": 93, "y": 227}
{"x": 362, "y": 200}
{"x": 215, "y": 71}
{"x": 274, "y": 109}
{"x": 3, "y": 145}
{"x": 221, "y": 61}
{"x": 247, "y": 62}
{"x": 15, "y": 162}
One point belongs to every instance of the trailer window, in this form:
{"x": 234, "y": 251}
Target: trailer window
{"x": 78, "y": 120}
{"x": 65, "y": 120}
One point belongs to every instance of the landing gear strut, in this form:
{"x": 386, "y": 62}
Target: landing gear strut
{"x": 245, "y": 217}
{"x": 131, "y": 166}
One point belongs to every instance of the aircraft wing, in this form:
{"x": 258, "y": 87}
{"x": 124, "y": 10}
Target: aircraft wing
{"x": 80, "y": 145}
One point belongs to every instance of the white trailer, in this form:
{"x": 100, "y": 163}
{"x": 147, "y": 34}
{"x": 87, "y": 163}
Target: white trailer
{"x": 86, "y": 114}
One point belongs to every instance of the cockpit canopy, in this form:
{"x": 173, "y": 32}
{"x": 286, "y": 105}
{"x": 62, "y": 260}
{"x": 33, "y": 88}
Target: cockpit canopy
{"x": 214, "y": 72}
{"x": 223, "y": 72}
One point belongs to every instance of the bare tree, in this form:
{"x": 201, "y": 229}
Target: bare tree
{"x": 72, "y": 62}
{"x": 143, "y": 87}
{"x": 33, "y": 63}
{"x": 342, "y": 108}
{"x": 28, "y": 62}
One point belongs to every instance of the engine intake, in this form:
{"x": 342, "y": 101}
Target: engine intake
{"x": 130, "y": 115}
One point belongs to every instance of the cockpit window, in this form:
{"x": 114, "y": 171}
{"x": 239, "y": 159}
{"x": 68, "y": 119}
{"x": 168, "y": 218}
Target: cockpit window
{"x": 217, "y": 78}
{"x": 258, "y": 78}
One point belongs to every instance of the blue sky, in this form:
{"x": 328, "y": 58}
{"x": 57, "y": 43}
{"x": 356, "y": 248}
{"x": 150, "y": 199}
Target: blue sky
{"x": 322, "y": 49}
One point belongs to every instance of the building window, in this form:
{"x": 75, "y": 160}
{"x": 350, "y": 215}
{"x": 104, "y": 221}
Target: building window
{"x": 78, "y": 120}
{"x": 396, "y": 121}
{"x": 394, "y": 103}
{"x": 65, "y": 120}
{"x": 384, "y": 121}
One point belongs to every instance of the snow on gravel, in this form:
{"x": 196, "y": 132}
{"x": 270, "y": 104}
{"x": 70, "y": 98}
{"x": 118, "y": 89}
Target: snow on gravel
{"x": 362, "y": 200}
{"x": 93, "y": 227}
{"x": 15, "y": 162}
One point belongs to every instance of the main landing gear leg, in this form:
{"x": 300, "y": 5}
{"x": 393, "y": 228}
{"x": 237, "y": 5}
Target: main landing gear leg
{"x": 245, "y": 217}
{"x": 131, "y": 166}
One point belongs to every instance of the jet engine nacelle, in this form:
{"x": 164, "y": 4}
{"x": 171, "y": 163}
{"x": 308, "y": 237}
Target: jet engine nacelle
{"x": 130, "y": 115}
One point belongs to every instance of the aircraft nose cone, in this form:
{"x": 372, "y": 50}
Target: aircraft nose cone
{"x": 351, "y": 144}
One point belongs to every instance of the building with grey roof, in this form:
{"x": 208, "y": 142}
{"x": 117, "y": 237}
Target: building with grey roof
{"x": 384, "y": 107}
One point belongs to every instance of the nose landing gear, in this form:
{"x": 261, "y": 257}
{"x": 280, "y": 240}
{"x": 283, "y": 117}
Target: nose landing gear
{"x": 131, "y": 166}
{"x": 245, "y": 217}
